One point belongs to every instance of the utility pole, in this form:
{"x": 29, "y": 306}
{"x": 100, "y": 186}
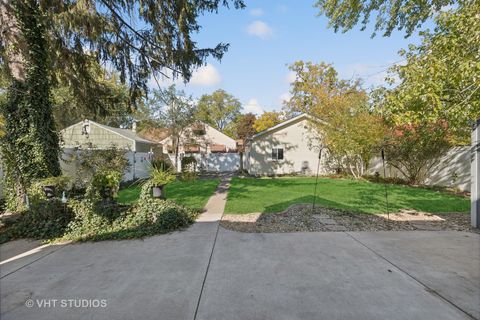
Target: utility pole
{"x": 475, "y": 169}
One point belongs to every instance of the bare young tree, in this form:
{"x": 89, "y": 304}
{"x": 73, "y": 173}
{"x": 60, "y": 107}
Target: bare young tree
{"x": 175, "y": 112}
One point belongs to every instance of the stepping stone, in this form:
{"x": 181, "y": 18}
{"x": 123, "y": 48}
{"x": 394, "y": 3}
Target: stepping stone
{"x": 327, "y": 221}
{"x": 321, "y": 216}
{"x": 336, "y": 227}
{"x": 426, "y": 225}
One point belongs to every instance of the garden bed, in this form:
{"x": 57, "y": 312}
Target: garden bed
{"x": 300, "y": 217}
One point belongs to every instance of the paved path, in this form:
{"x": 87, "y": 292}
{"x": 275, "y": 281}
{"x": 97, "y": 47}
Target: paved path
{"x": 216, "y": 204}
{"x": 207, "y": 272}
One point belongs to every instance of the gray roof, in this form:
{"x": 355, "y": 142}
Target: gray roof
{"x": 127, "y": 133}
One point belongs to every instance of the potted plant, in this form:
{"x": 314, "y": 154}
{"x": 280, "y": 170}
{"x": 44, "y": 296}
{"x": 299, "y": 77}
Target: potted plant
{"x": 158, "y": 179}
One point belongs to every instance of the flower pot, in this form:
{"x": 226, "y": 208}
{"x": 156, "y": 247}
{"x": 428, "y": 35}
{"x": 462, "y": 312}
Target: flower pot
{"x": 157, "y": 192}
{"x": 49, "y": 191}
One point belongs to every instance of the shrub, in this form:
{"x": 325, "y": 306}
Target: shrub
{"x": 415, "y": 149}
{"x": 36, "y": 193}
{"x": 44, "y": 220}
{"x": 160, "y": 177}
{"x": 61, "y": 183}
{"x": 162, "y": 164}
{"x": 189, "y": 164}
{"x": 93, "y": 218}
{"x": 97, "y": 221}
{"x": 104, "y": 184}
{"x": 165, "y": 215}
{"x": 94, "y": 160}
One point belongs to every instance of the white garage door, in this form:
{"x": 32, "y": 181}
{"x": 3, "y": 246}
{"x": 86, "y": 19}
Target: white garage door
{"x": 222, "y": 162}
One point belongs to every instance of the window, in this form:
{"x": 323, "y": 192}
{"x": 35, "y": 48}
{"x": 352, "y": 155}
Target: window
{"x": 277, "y": 154}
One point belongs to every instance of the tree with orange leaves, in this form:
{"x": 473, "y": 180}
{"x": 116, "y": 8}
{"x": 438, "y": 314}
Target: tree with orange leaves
{"x": 347, "y": 125}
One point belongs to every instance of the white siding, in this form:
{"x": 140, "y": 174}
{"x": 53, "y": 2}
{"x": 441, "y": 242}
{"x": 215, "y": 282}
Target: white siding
{"x": 98, "y": 137}
{"x": 139, "y": 165}
{"x": 300, "y": 151}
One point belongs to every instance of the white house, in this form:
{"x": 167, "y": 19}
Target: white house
{"x": 214, "y": 150}
{"x": 291, "y": 147}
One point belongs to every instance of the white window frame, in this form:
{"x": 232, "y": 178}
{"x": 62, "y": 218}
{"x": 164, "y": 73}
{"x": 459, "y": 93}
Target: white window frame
{"x": 276, "y": 159}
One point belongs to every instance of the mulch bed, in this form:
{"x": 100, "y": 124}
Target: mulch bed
{"x": 300, "y": 217}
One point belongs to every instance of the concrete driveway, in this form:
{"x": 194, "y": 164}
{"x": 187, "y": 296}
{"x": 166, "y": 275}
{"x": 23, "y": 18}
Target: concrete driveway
{"x": 335, "y": 275}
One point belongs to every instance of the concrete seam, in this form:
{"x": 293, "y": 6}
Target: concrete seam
{"x": 429, "y": 289}
{"x": 209, "y": 261}
{"x": 28, "y": 264}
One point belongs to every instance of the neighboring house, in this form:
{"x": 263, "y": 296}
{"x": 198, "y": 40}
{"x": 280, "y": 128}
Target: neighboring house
{"x": 214, "y": 150}
{"x": 88, "y": 134}
{"x": 290, "y": 147}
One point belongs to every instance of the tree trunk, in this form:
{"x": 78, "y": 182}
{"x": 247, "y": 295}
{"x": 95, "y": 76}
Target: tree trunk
{"x": 31, "y": 144}
{"x": 176, "y": 153}
{"x": 13, "y": 40}
{"x": 241, "y": 161}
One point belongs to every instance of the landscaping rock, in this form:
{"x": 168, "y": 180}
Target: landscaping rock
{"x": 300, "y": 217}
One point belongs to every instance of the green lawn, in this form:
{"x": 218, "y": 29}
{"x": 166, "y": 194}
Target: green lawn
{"x": 192, "y": 194}
{"x": 273, "y": 195}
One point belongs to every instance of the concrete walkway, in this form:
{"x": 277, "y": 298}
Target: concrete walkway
{"x": 216, "y": 204}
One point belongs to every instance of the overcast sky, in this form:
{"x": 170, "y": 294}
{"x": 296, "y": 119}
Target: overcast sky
{"x": 268, "y": 35}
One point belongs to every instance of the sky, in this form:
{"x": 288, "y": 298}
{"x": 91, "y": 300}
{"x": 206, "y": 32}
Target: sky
{"x": 266, "y": 36}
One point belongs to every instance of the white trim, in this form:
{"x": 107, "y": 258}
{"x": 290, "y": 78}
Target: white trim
{"x": 205, "y": 124}
{"x": 271, "y": 152}
{"x": 286, "y": 123}
{"x": 108, "y": 129}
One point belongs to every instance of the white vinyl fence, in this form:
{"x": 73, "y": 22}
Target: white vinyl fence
{"x": 475, "y": 171}
{"x": 139, "y": 164}
{"x": 2, "y": 180}
{"x": 212, "y": 162}
{"x": 453, "y": 169}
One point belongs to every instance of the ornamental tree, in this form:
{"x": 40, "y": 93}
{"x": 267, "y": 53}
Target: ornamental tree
{"x": 345, "y": 123}
{"x": 415, "y": 149}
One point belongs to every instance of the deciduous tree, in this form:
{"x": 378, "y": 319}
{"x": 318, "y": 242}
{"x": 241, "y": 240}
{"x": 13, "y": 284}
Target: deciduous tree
{"x": 415, "y": 149}
{"x": 387, "y": 14}
{"x": 440, "y": 80}
{"x": 175, "y": 112}
{"x": 44, "y": 42}
{"x": 267, "y": 120}
{"x": 244, "y": 130}
{"x": 245, "y": 126}
{"x": 345, "y": 123}
{"x": 218, "y": 109}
